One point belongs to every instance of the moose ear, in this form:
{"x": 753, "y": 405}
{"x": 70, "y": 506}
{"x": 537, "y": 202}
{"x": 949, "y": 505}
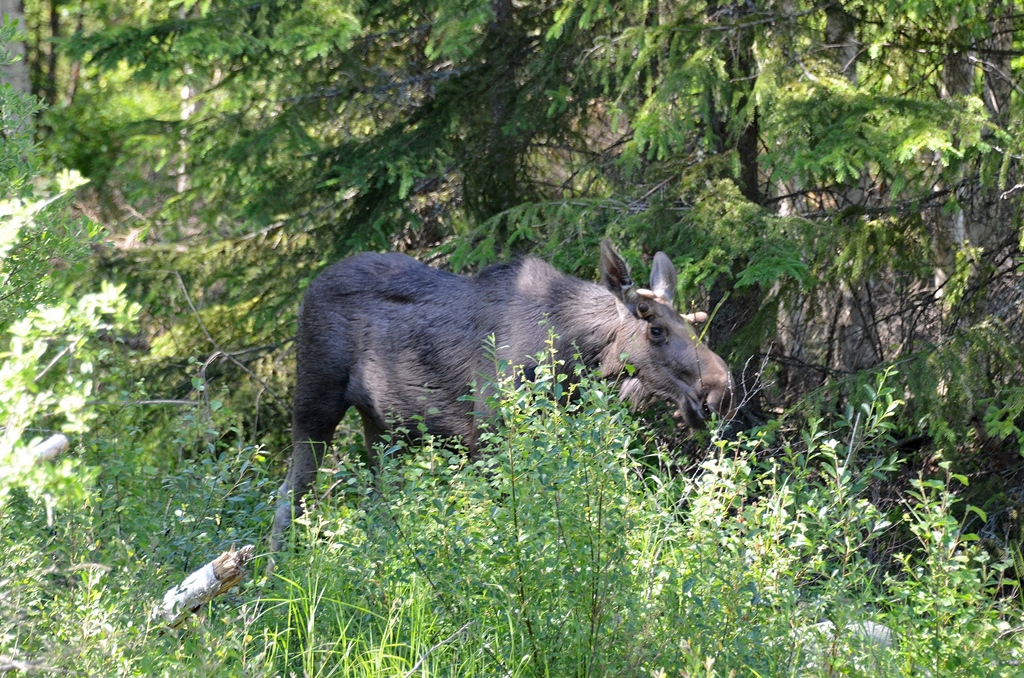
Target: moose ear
{"x": 663, "y": 278}
{"x": 615, "y": 275}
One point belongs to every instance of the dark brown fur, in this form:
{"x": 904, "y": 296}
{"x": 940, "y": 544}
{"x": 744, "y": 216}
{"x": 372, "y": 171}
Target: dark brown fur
{"x": 397, "y": 339}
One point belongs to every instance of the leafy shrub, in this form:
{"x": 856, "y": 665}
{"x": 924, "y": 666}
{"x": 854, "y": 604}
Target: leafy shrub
{"x": 49, "y": 352}
{"x": 559, "y": 552}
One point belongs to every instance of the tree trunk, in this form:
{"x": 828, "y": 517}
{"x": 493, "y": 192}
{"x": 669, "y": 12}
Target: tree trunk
{"x": 856, "y": 344}
{"x": 16, "y": 74}
{"x": 999, "y": 69}
{"x": 840, "y": 35}
{"x": 741, "y": 66}
{"x": 50, "y": 90}
{"x": 188, "y": 108}
{"x": 833, "y": 330}
{"x": 950, "y": 235}
{"x": 76, "y": 66}
{"x": 492, "y": 182}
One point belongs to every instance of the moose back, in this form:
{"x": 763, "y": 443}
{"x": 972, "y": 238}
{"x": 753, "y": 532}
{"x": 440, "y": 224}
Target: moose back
{"x": 397, "y": 339}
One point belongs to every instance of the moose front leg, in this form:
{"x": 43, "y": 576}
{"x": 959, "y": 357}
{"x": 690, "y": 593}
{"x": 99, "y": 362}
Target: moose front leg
{"x": 306, "y": 459}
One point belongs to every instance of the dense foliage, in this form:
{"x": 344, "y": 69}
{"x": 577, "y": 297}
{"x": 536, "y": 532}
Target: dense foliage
{"x": 838, "y": 184}
{"x": 567, "y": 550}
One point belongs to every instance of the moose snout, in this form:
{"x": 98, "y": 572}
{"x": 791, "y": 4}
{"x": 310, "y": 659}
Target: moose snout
{"x": 719, "y": 400}
{"x": 698, "y": 407}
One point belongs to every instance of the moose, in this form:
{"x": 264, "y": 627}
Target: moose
{"x": 397, "y": 339}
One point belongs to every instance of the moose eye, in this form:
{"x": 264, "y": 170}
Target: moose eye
{"x": 655, "y": 332}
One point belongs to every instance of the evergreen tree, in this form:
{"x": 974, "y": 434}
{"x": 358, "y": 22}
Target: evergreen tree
{"x": 839, "y": 183}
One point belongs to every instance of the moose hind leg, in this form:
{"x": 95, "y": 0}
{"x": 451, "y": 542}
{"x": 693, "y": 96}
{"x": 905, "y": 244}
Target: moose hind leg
{"x": 313, "y": 423}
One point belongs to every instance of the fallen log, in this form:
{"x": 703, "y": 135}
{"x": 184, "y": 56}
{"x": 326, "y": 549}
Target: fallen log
{"x": 205, "y": 584}
{"x": 49, "y": 449}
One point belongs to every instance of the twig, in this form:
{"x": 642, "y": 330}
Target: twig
{"x": 1010, "y": 191}
{"x": 1010, "y": 632}
{"x": 218, "y": 351}
{"x": 67, "y": 349}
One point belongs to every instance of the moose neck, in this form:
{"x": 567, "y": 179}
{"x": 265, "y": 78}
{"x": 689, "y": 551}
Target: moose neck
{"x": 594, "y": 323}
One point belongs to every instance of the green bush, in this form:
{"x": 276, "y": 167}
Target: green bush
{"x": 49, "y": 350}
{"x": 561, "y": 549}
{"x": 560, "y": 552}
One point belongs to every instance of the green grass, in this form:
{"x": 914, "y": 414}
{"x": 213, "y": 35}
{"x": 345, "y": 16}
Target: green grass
{"x": 564, "y": 550}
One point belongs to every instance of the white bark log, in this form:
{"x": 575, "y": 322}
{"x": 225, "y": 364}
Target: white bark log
{"x": 205, "y": 584}
{"x": 49, "y": 449}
